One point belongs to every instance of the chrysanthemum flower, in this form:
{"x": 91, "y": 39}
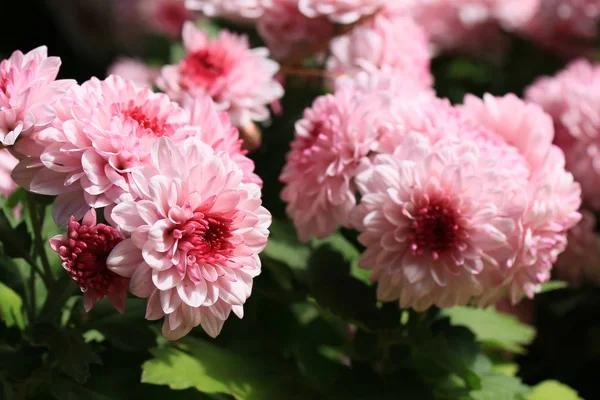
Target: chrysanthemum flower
{"x": 439, "y": 221}
{"x": 285, "y": 29}
{"x": 240, "y": 80}
{"x": 341, "y": 11}
{"x": 196, "y": 232}
{"x": 580, "y": 262}
{"x": 572, "y": 98}
{"x": 231, "y": 9}
{"x": 28, "y": 90}
{"x": 83, "y": 250}
{"x": 134, "y": 70}
{"x": 104, "y": 131}
{"x": 553, "y": 196}
{"x": 396, "y": 43}
{"x": 165, "y": 16}
{"x": 7, "y": 163}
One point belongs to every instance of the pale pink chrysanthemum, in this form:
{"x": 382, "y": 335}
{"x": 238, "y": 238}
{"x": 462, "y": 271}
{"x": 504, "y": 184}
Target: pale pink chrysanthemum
{"x": 580, "y": 262}
{"x": 215, "y": 130}
{"x": 553, "y": 196}
{"x": 7, "y": 163}
{"x": 236, "y": 10}
{"x": 439, "y": 221}
{"x": 195, "y": 234}
{"x": 165, "y": 16}
{"x": 341, "y": 11}
{"x": 524, "y": 126}
{"x": 331, "y": 139}
{"x": 28, "y": 90}
{"x": 396, "y": 43}
{"x": 83, "y": 250}
{"x": 285, "y": 29}
{"x": 134, "y": 70}
{"x": 240, "y": 80}
{"x": 103, "y": 132}
{"x": 572, "y": 98}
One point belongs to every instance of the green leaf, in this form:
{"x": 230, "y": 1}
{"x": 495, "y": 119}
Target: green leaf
{"x": 177, "y": 53}
{"x": 63, "y": 389}
{"x": 500, "y": 387}
{"x": 350, "y": 253}
{"x": 553, "y": 390}
{"x": 72, "y": 354}
{"x": 493, "y": 328}
{"x": 11, "y": 307}
{"x": 16, "y": 241}
{"x": 284, "y": 246}
{"x": 208, "y": 26}
{"x": 199, "y": 364}
{"x": 58, "y": 296}
{"x": 553, "y": 285}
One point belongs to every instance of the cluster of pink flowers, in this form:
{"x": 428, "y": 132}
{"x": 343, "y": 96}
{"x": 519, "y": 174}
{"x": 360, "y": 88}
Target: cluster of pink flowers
{"x": 456, "y": 203}
{"x": 181, "y": 197}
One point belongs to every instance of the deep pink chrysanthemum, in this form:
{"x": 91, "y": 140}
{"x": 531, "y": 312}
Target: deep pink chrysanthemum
{"x": 134, "y": 70}
{"x": 240, "y": 80}
{"x": 396, "y": 43}
{"x": 165, "y": 16}
{"x": 285, "y": 29}
{"x": 83, "y": 250}
{"x": 440, "y": 222}
{"x": 104, "y": 131}
{"x": 28, "y": 90}
{"x": 196, "y": 232}
{"x": 7, "y": 163}
{"x": 572, "y": 98}
{"x": 580, "y": 262}
{"x": 342, "y": 11}
{"x": 237, "y": 10}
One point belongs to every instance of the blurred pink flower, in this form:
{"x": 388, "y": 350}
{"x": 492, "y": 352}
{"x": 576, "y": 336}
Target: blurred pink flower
{"x": 240, "y": 80}
{"x": 395, "y": 43}
{"x": 28, "y": 90}
{"x": 196, "y": 232}
{"x": 439, "y": 221}
{"x": 83, "y": 250}
{"x": 7, "y": 163}
{"x": 580, "y": 262}
{"x": 341, "y": 11}
{"x": 236, "y": 10}
{"x": 134, "y": 70}
{"x": 572, "y": 98}
{"x": 165, "y": 16}
{"x": 285, "y": 29}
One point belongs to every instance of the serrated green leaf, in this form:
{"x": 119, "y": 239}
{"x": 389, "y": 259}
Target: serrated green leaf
{"x": 500, "y": 387}
{"x": 553, "y": 390}
{"x": 11, "y": 307}
{"x": 194, "y": 363}
{"x": 493, "y": 328}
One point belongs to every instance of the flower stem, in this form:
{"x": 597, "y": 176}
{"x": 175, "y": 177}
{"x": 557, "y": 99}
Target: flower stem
{"x": 37, "y": 221}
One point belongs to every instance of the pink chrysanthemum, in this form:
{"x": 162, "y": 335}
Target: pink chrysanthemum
{"x": 341, "y": 11}
{"x": 28, "y": 90}
{"x": 572, "y": 98}
{"x": 237, "y": 10}
{"x": 395, "y": 43}
{"x": 580, "y": 262}
{"x": 7, "y": 163}
{"x": 240, "y": 80}
{"x": 554, "y": 197}
{"x": 285, "y": 29}
{"x": 165, "y": 16}
{"x": 196, "y": 232}
{"x": 104, "y": 131}
{"x": 134, "y": 70}
{"x": 439, "y": 221}
{"x": 83, "y": 250}
{"x": 335, "y": 134}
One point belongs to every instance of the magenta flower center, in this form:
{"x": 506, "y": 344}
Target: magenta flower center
{"x": 205, "y": 237}
{"x": 154, "y": 124}
{"x": 435, "y": 228}
{"x": 203, "y": 67}
{"x": 85, "y": 255}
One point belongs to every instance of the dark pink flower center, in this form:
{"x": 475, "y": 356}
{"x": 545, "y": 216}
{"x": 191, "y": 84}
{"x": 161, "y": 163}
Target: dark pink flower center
{"x": 85, "y": 254}
{"x": 173, "y": 14}
{"x": 157, "y": 126}
{"x": 435, "y": 228}
{"x": 205, "y": 66}
{"x": 205, "y": 237}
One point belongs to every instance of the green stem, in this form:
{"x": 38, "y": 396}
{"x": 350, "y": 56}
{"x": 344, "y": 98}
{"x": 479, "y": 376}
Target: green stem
{"x": 37, "y": 220}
